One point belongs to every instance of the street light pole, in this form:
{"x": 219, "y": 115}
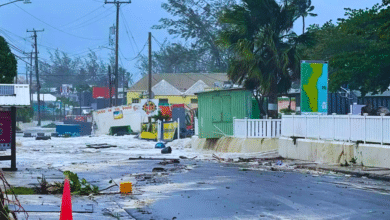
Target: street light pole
{"x": 25, "y": 2}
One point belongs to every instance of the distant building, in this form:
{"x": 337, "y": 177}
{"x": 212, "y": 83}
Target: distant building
{"x": 177, "y": 88}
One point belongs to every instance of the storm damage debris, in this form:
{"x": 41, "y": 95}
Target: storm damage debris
{"x": 175, "y": 161}
{"x": 166, "y": 150}
{"x": 158, "y": 169}
{"x": 100, "y": 146}
{"x": 150, "y": 158}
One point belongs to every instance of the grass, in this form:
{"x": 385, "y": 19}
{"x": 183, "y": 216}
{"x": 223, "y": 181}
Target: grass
{"x": 21, "y": 191}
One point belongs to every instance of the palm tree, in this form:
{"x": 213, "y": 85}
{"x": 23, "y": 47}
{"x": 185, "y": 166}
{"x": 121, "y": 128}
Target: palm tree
{"x": 264, "y": 55}
{"x": 304, "y": 8}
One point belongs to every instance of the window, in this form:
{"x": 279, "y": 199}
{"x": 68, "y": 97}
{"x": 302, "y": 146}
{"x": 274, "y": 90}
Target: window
{"x": 163, "y": 101}
{"x": 135, "y": 101}
{"x": 7, "y": 90}
{"x": 194, "y": 101}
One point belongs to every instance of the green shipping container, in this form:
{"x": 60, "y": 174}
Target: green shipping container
{"x": 216, "y": 110}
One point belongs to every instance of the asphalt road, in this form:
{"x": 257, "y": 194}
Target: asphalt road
{"x": 223, "y": 191}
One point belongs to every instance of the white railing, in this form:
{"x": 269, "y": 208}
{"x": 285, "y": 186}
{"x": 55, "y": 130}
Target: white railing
{"x": 338, "y": 127}
{"x": 196, "y": 127}
{"x": 257, "y": 128}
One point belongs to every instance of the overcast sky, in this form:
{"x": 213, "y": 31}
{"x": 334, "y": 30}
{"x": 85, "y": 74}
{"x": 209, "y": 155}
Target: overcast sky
{"x": 74, "y": 26}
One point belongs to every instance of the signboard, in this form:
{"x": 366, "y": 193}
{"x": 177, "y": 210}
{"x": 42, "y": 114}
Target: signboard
{"x": 149, "y": 107}
{"x": 118, "y": 114}
{"x": 5, "y": 128}
{"x": 169, "y": 130}
{"x": 149, "y": 131}
{"x": 314, "y": 87}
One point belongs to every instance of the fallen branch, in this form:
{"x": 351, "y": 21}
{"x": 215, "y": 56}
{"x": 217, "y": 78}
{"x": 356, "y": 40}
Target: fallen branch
{"x": 143, "y": 158}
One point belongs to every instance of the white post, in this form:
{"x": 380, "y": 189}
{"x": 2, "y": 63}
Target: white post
{"x": 382, "y": 114}
{"x": 246, "y": 127}
{"x": 334, "y": 125}
{"x": 178, "y": 128}
{"x": 158, "y": 130}
{"x": 234, "y": 126}
{"x": 269, "y": 127}
{"x": 350, "y": 127}
{"x": 365, "y": 125}
{"x": 293, "y": 114}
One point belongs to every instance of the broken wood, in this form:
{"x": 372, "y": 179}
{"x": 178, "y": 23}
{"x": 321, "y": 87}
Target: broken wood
{"x": 150, "y": 158}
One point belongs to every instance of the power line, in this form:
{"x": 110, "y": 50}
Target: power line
{"x": 55, "y": 27}
{"x": 127, "y": 32}
{"x": 85, "y": 23}
{"x": 78, "y": 19}
{"x": 159, "y": 44}
{"x": 138, "y": 53}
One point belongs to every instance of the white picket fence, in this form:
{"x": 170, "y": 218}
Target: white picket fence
{"x": 338, "y": 127}
{"x": 257, "y": 128}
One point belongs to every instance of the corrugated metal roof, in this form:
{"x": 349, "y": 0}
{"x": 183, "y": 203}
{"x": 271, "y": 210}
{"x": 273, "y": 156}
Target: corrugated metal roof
{"x": 181, "y": 81}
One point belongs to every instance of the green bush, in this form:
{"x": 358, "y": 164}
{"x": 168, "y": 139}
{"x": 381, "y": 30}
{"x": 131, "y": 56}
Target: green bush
{"x": 286, "y": 111}
{"x": 24, "y": 115}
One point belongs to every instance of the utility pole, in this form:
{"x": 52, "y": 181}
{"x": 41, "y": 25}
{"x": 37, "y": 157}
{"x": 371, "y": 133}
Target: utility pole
{"x": 37, "y": 74}
{"x": 109, "y": 84}
{"x": 31, "y": 70}
{"x": 118, "y": 4}
{"x": 150, "y": 66}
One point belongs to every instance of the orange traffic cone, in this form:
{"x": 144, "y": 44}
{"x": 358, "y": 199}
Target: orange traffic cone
{"x": 66, "y": 206}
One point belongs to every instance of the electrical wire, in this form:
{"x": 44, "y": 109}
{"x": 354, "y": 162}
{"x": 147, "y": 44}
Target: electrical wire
{"x": 160, "y": 44}
{"x": 78, "y": 19}
{"x": 127, "y": 28}
{"x": 87, "y": 23}
{"x": 55, "y": 27}
{"x": 138, "y": 53}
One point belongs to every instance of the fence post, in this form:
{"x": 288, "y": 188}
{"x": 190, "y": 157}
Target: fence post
{"x": 234, "y": 126}
{"x": 334, "y": 125}
{"x": 293, "y": 114}
{"x": 350, "y": 126}
{"x": 178, "y": 128}
{"x": 382, "y": 114}
{"x": 269, "y": 127}
{"x": 246, "y": 127}
{"x": 365, "y": 125}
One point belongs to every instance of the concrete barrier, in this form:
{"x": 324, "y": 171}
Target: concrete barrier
{"x": 373, "y": 155}
{"x": 335, "y": 152}
{"x": 235, "y": 145}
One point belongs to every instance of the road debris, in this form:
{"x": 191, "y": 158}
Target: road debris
{"x": 100, "y": 146}
{"x": 175, "y": 161}
{"x": 166, "y": 150}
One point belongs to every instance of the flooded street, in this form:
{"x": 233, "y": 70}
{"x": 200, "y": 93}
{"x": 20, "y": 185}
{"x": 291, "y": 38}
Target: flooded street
{"x": 199, "y": 188}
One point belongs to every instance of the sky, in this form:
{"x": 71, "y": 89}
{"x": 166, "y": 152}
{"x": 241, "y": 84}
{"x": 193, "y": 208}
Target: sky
{"x": 75, "y": 26}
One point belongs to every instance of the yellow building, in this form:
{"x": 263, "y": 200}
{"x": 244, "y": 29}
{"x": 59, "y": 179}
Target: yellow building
{"x": 176, "y": 88}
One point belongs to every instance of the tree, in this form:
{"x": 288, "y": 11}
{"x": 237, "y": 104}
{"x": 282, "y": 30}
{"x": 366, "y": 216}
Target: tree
{"x": 265, "y": 58}
{"x": 8, "y": 63}
{"x": 304, "y": 9}
{"x": 176, "y": 58}
{"x": 358, "y": 49}
{"x": 198, "y": 20}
